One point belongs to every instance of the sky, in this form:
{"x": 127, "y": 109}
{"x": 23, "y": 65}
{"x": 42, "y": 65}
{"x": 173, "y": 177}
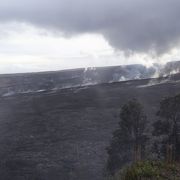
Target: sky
{"x": 46, "y": 35}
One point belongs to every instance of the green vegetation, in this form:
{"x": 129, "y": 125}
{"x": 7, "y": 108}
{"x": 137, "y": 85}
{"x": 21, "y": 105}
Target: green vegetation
{"x": 168, "y": 127}
{"x": 129, "y": 143}
{"x": 149, "y": 170}
{"x": 130, "y": 135}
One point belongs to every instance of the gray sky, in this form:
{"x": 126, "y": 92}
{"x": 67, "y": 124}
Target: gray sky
{"x": 38, "y": 35}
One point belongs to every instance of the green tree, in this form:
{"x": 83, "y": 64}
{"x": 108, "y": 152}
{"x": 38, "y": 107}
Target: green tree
{"x": 129, "y": 139}
{"x": 168, "y": 127}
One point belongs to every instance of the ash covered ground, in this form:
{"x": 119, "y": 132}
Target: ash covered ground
{"x": 62, "y": 133}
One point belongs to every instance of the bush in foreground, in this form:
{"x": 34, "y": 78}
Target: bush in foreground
{"x": 149, "y": 170}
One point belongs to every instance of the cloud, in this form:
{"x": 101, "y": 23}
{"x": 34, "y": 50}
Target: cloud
{"x": 138, "y": 26}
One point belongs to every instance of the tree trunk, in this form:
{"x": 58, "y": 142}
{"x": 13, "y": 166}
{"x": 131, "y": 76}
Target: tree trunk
{"x": 169, "y": 153}
{"x": 137, "y": 152}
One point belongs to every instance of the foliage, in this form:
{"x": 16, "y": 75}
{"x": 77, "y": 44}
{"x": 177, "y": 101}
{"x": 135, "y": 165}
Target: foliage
{"x": 149, "y": 170}
{"x": 168, "y": 126}
{"x": 130, "y": 136}
{"x": 129, "y": 139}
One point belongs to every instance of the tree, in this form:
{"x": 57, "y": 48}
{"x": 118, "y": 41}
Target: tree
{"x": 129, "y": 139}
{"x": 168, "y": 127}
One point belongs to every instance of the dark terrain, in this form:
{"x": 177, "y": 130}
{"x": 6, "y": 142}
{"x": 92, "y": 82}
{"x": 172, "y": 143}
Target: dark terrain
{"x": 11, "y": 84}
{"x": 61, "y": 134}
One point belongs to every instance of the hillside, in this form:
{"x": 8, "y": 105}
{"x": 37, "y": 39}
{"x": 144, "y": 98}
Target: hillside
{"x": 11, "y": 84}
{"x": 63, "y": 133}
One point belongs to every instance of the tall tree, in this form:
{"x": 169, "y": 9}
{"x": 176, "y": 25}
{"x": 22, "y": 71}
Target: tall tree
{"x": 129, "y": 139}
{"x": 168, "y": 126}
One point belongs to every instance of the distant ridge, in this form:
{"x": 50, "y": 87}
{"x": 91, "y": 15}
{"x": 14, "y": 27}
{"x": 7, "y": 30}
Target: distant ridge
{"x": 44, "y": 81}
